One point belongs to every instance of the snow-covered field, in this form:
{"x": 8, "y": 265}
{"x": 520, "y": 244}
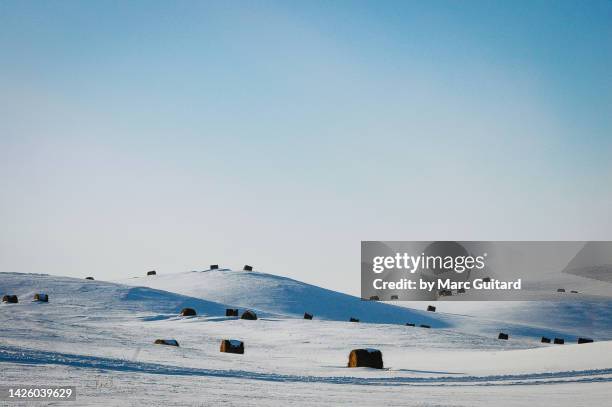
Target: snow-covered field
{"x": 99, "y": 336}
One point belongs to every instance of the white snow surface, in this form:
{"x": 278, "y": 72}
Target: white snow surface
{"x": 99, "y": 336}
{"x": 281, "y": 296}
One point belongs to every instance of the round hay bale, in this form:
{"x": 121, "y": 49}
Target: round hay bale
{"x": 366, "y": 358}
{"x": 10, "y": 299}
{"x": 353, "y": 319}
{"x": 585, "y": 340}
{"x": 214, "y": 267}
{"x": 431, "y": 308}
{"x": 425, "y": 326}
{"x": 232, "y": 346}
{"x": 151, "y": 273}
{"x": 502, "y": 336}
{"x": 169, "y": 342}
{"x": 188, "y": 312}
{"x": 409, "y": 324}
{"x": 41, "y": 297}
{"x": 560, "y": 290}
{"x": 374, "y": 298}
{"x": 89, "y": 278}
{"x": 247, "y": 268}
{"x": 248, "y": 314}
{"x": 394, "y": 297}
{"x": 559, "y": 341}
{"x": 307, "y": 315}
{"x": 545, "y": 340}
{"x": 231, "y": 312}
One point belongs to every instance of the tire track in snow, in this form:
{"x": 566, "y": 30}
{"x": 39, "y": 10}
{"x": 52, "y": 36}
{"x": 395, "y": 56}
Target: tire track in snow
{"x": 10, "y": 354}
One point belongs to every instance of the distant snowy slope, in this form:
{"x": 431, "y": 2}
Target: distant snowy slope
{"x": 284, "y": 296}
{"x": 101, "y": 295}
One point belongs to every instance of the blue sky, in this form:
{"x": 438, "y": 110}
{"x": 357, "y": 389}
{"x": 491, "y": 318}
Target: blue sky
{"x": 171, "y": 135}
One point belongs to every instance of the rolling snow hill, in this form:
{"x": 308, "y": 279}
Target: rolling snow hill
{"x": 283, "y": 296}
{"x": 99, "y": 337}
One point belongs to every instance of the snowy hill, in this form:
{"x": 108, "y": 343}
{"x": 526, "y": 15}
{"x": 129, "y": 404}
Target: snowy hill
{"x": 283, "y": 296}
{"x": 99, "y": 336}
{"x": 101, "y": 295}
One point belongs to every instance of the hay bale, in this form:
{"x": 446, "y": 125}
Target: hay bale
{"x": 585, "y": 340}
{"x": 431, "y": 308}
{"x": 486, "y": 280}
{"x": 41, "y": 297}
{"x": 188, "y": 312}
{"x": 409, "y": 324}
{"x": 574, "y": 292}
{"x": 307, "y": 315}
{"x": 214, "y": 266}
{"x": 545, "y": 340}
{"x": 374, "y": 298}
{"x": 231, "y": 312}
{"x": 366, "y": 358}
{"x": 169, "y": 342}
{"x": 394, "y": 297}
{"x": 425, "y": 326}
{"x": 559, "y": 341}
{"x": 89, "y": 278}
{"x": 10, "y": 299}
{"x": 247, "y": 268}
{"x": 353, "y": 319}
{"x": 232, "y": 346}
{"x": 560, "y": 290}
{"x": 250, "y": 315}
{"x": 151, "y": 273}
{"x": 502, "y": 336}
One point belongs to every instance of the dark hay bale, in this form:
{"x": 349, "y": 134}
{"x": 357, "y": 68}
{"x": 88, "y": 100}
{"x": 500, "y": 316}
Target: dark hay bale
{"x": 445, "y": 293}
{"x": 89, "y": 278}
{"x": 307, "y": 315}
{"x": 394, "y": 297}
{"x": 425, "y": 326}
{"x": 366, "y": 358}
{"x": 559, "y": 341}
{"x": 169, "y": 342}
{"x": 10, "y": 299}
{"x": 214, "y": 266}
{"x": 41, "y": 297}
{"x": 250, "y": 315}
{"x": 232, "y": 346}
{"x": 502, "y": 336}
{"x": 461, "y": 291}
{"x": 585, "y": 340}
{"x": 545, "y": 340}
{"x": 560, "y": 290}
{"x": 353, "y": 319}
{"x": 409, "y": 324}
{"x": 486, "y": 279}
{"x": 574, "y": 292}
{"x": 188, "y": 312}
{"x": 431, "y": 308}
{"x": 247, "y": 268}
{"x": 231, "y": 312}
{"x": 374, "y": 298}
{"x": 151, "y": 273}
